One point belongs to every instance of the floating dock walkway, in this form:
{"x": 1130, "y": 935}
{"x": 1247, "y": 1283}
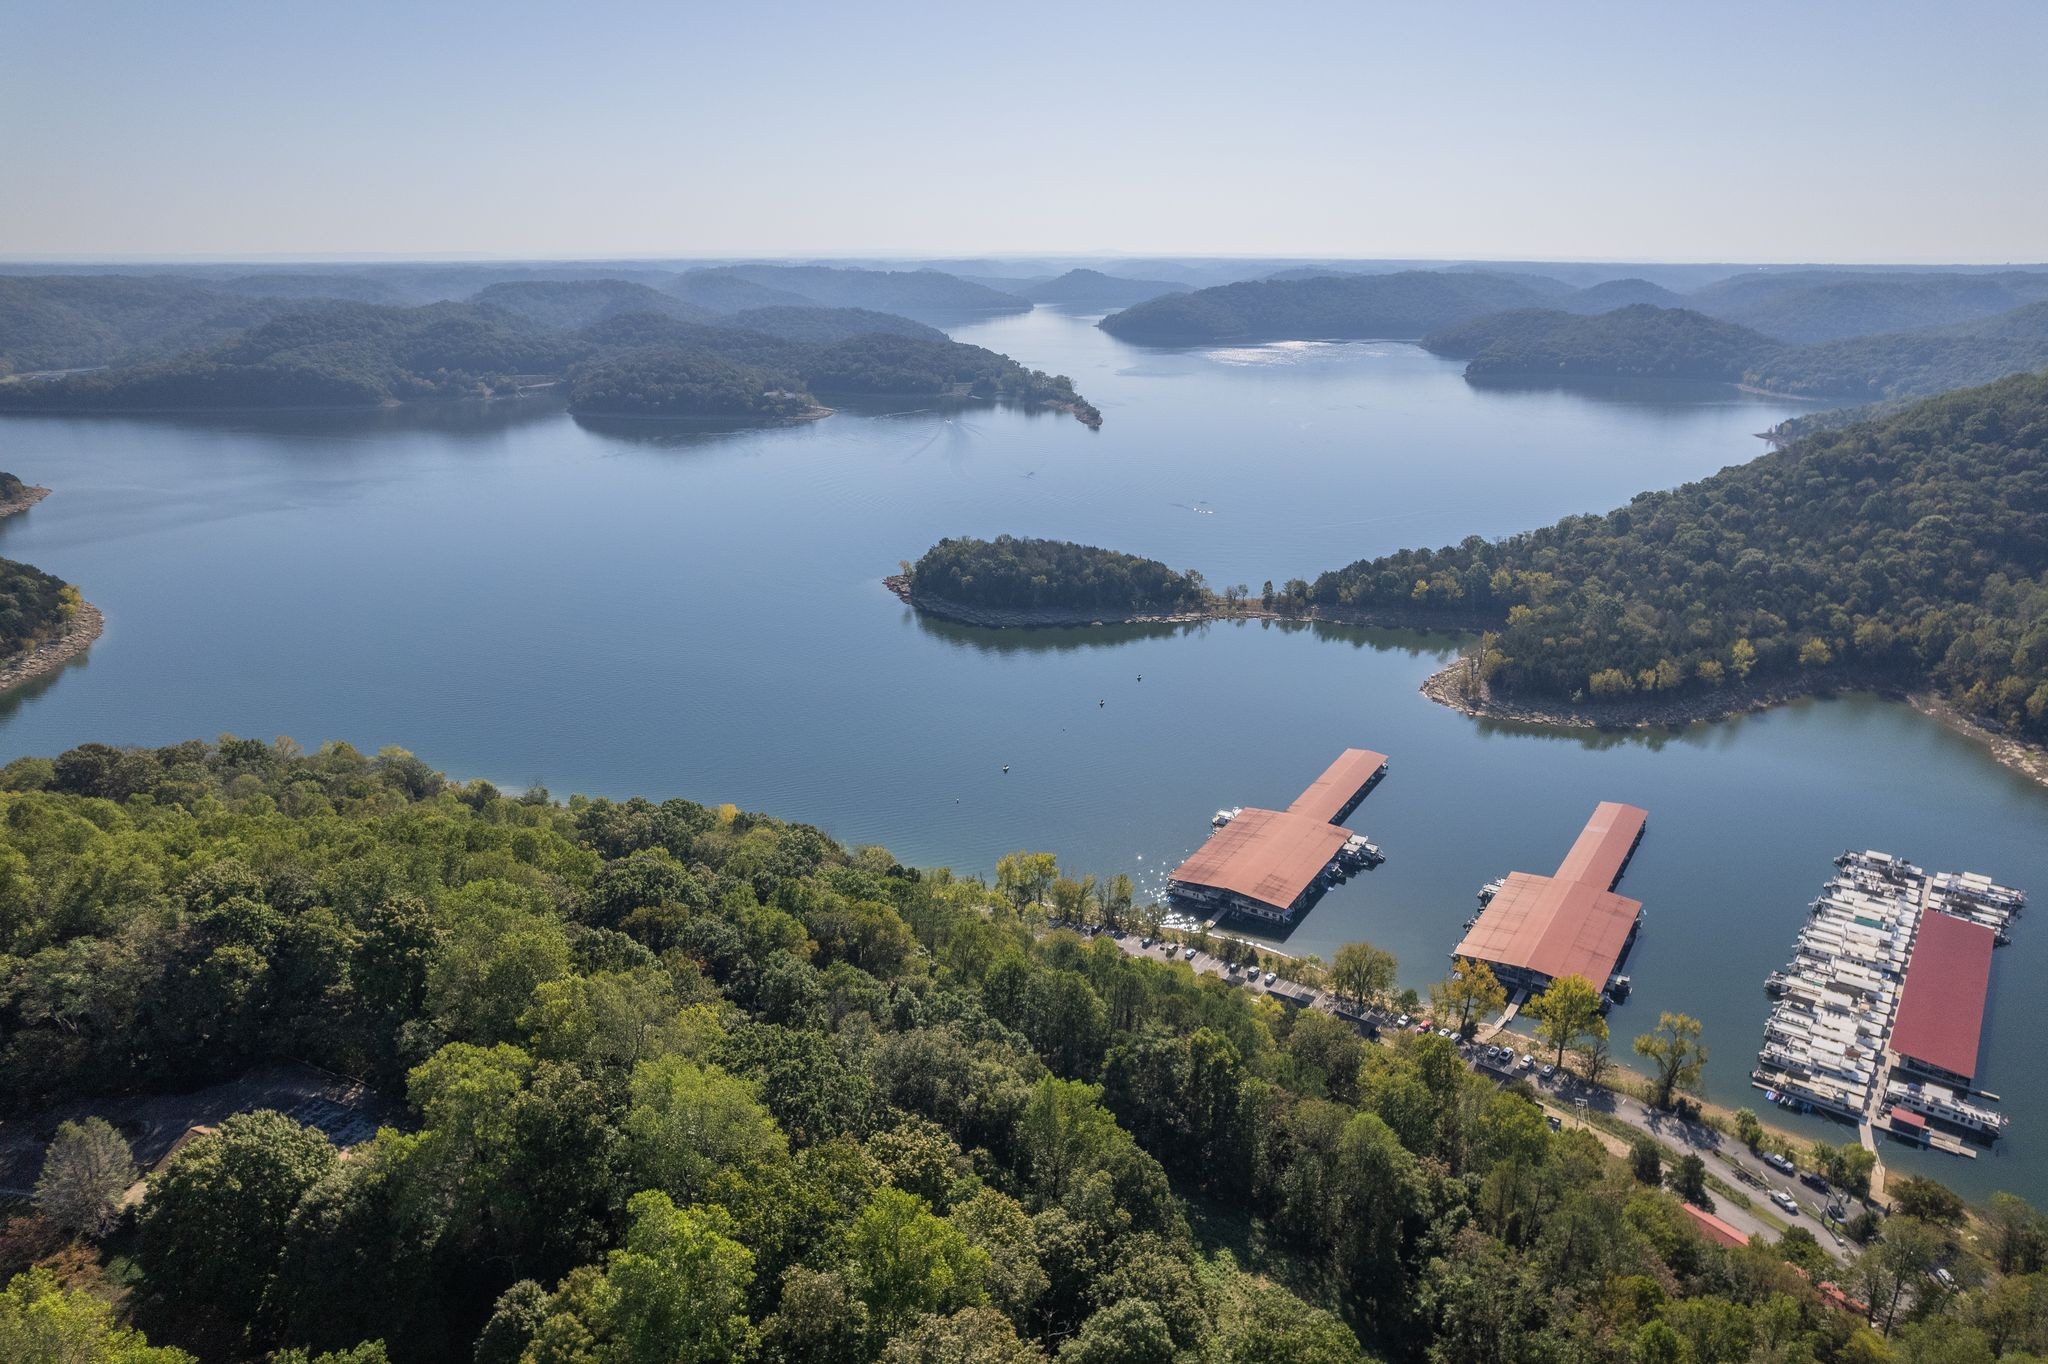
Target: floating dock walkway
{"x": 1879, "y": 1013}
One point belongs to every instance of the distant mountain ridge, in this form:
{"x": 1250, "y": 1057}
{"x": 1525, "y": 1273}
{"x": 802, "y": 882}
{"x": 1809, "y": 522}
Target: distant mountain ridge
{"x": 1402, "y": 305}
{"x": 1645, "y": 341}
{"x": 1084, "y": 288}
{"x": 1641, "y": 340}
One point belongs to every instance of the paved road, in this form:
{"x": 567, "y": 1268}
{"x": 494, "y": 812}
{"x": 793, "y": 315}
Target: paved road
{"x": 1726, "y": 1160}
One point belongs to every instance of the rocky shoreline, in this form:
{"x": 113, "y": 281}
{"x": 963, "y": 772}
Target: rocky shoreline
{"x": 1446, "y": 686}
{"x": 53, "y": 653}
{"x": 28, "y": 498}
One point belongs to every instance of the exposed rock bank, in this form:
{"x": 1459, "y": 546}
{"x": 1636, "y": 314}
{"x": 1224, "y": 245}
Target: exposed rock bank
{"x": 53, "y": 653}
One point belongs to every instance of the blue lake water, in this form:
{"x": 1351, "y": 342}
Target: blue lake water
{"x": 515, "y": 595}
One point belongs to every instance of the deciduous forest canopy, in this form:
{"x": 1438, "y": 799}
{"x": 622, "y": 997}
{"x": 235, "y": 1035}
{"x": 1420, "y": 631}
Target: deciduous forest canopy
{"x": 1014, "y": 573}
{"x": 625, "y": 347}
{"x": 1912, "y": 547}
{"x": 684, "y": 1083}
{"x": 1644, "y": 341}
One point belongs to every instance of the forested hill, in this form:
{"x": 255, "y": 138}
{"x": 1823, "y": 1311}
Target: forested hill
{"x": 34, "y": 606}
{"x": 755, "y": 375}
{"x": 1094, "y": 289}
{"x": 324, "y": 354}
{"x": 1912, "y": 363}
{"x": 914, "y": 293}
{"x": 1010, "y": 573}
{"x": 601, "y": 335}
{"x": 1638, "y": 341}
{"x": 1331, "y": 307}
{"x": 1648, "y": 341}
{"x": 1912, "y": 548}
{"x": 567, "y": 305}
{"x": 1807, "y": 306}
{"x": 673, "y": 1082}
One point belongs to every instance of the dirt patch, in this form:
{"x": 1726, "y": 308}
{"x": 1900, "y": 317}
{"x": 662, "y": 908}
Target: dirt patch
{"x": 346, "y": 1110}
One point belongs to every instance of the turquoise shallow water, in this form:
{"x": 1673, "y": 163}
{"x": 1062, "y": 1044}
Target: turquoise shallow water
{"x": 618, "y": 610}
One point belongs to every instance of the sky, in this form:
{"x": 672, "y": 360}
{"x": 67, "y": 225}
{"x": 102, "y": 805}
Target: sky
{"x": 1458, "y": 129}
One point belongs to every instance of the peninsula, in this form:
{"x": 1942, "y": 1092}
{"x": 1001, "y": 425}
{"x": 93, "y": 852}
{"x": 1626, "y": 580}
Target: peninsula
{"x": 44, "y": 622}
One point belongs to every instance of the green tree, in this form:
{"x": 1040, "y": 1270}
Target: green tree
{"x": 1467, "y": 996}
{"x": 1926, "y": 1199}
{"x": 1362, "y": 974}
{"x": 1678, "y": 1055}
{"x": 905, "y": 1263}
{"x": 42, "y": 1322}
{"x": 973, "y": 1335}
{"x": 214, "y": 1221}
{"x": 1127, "y": 1332}
{"x": 1025, "y": 876}
{"x": 674, "y": 1293}
{"x": 1689, "y": 1180}
{"x": 86, "y": 1171}
{"x": 1894, "y": 1266}
{"x": 687, "y": 1124}
{"x": 1646, "y": 1160}
{"x": 1566, "y": 1012}
{"x": 1748, "y": 1130}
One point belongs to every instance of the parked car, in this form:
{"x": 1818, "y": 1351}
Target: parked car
{"x": 1549, "y": 1072}
{"x": 1779, "y": 1163}
{"x": 1445, "y": 1032}
{"x": 1785, "y": 1201}
{"x": 1814, "y": 1180}
{"x": 1555, "y": 1124}
{"x": 1422, "y": 1028}
{"x": 1188, "y": 955}
{"x": 1528, "y": 1061}
{"x": 1403, "y": 1021}
{"x": 1270, "y": 978}
{"x": 1145, "y": 944}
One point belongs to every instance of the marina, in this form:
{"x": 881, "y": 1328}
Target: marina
{"x": 1532, "y": 929}
{"x": 1877, "y": 1019}
{"x": 1274, "y": 864}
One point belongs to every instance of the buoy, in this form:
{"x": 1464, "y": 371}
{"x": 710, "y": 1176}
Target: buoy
{"x": 1006, "y": 767}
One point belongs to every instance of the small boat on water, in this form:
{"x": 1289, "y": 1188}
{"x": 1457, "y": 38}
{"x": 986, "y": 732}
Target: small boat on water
{"x": 1777, "y": 983}
{"x": 1223, "y": 817}
{"x": 1488, "y": 891}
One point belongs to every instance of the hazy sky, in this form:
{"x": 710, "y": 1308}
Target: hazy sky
{"x": 1642, "y": 130}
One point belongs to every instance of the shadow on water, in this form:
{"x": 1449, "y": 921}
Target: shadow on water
{"x": 1069, "y": 638}
{"x": 1676, "y": 396}
{"x": 457, "y": 420}
{"x": 673, "y": 431}
{"x": 13, "y": 700}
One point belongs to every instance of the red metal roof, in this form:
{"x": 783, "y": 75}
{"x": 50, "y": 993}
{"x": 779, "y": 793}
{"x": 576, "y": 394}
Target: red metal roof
{"x": 1713, "y": 1228}
{"x": 1556, "y": 928}
{"x": 1941, "y": 1005}
{"x": 1329, "y": 795}
{"x": 1272, "y": 856}
{"x": 1603, "y": 845}
{"x": 1570, "y": 924}
{"x": 1905, "y": 1118}
{"x": 1266, "y": 855}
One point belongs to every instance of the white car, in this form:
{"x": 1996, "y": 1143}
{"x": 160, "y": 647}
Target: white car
{"x": 1785, "y": 1201}
{"x": 1270, "y": 978}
